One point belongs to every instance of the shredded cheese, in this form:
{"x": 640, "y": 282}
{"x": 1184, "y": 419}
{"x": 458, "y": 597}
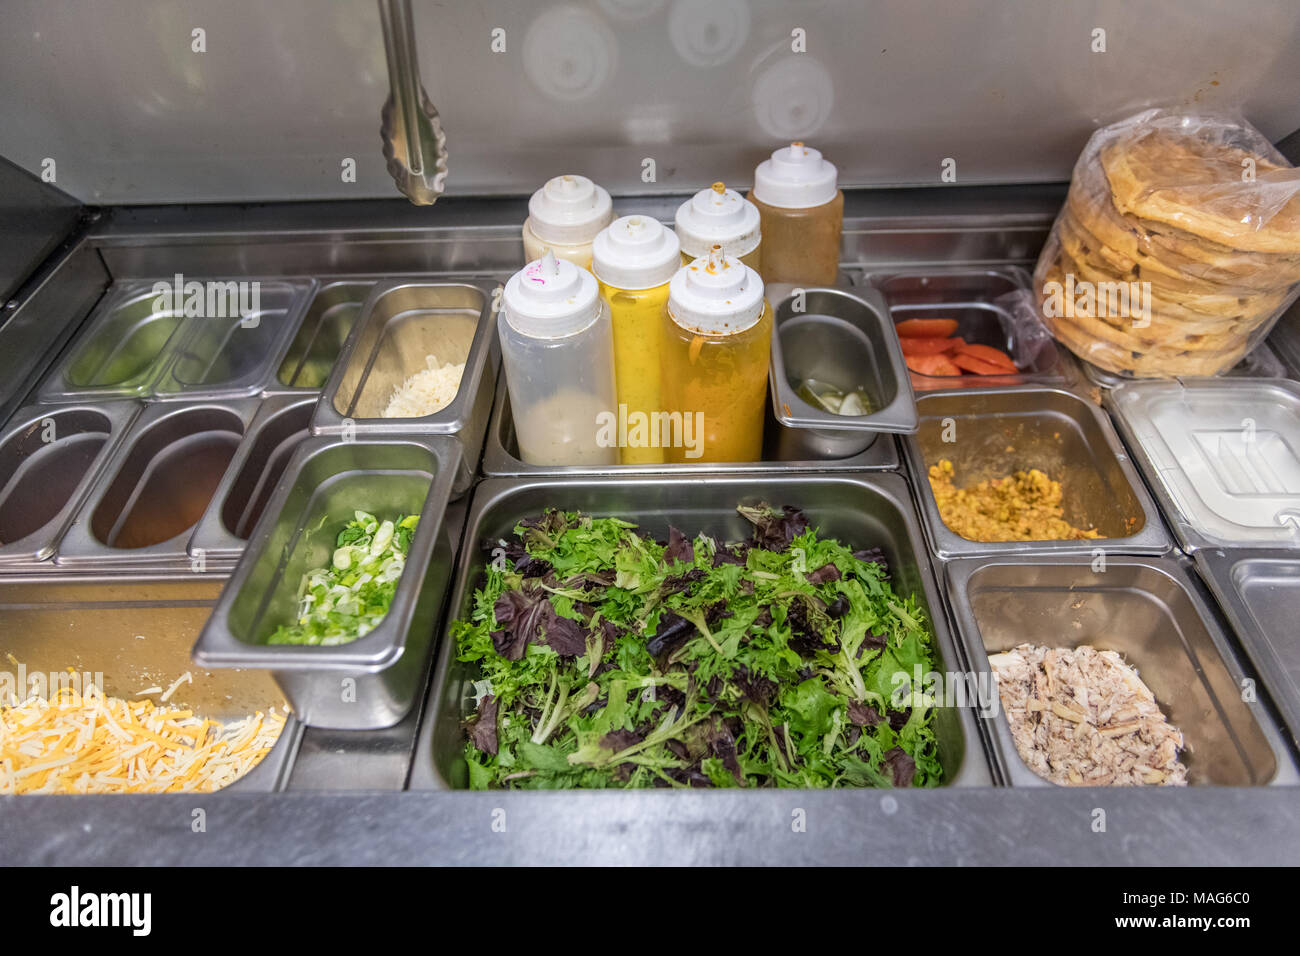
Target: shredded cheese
{"x": 97, "y": 744}
{"x": 427, "y": 391}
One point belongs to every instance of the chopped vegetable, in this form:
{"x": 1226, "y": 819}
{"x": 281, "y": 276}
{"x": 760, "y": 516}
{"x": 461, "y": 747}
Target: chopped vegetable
{"x": 828, "y": 398}
{"x": 609, "y": 659}
{"x": 348, "y": 599}
{"x": 987, "y": 353}
{"x": 926, "y": 328}
{"x": 978, "y": 366}
{"x": 915, "y": 345}
{"x": 931, "y": 365}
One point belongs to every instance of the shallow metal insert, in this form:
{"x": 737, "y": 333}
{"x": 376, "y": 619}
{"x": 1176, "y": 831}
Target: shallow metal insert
{"x": 373, "y": 681}
{"x": 939, "y": 285}
{"x": 991, "y": 433}
{"x": 842, "y": 338}
{"x": 402, "y": 322}
{"x": 321, "y": 335}
{"x": 49, "y": 456}
{"x": 1259, "y": 592}
{"x": 157, "y": 486}
{"x": 136, "y": 630}
{"x": 861, "y": 510}
{"x": 1147, "y": 609}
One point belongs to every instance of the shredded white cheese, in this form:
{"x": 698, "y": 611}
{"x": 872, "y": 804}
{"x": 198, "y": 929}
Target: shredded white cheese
{"x": 427, "y": 391}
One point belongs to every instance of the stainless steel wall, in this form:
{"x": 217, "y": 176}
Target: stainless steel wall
{"x": 287, "y": 91}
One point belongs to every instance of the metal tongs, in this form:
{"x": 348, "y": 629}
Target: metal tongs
{"x": 414, "y": 143}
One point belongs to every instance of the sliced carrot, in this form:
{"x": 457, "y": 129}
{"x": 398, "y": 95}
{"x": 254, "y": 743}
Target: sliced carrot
{"x": 914, "y": 345}
{"x": 972, "y": 364}
{"x": 927, "y": 328}
{"x": 931, "y": 365}
{"x": 986, "y": 353}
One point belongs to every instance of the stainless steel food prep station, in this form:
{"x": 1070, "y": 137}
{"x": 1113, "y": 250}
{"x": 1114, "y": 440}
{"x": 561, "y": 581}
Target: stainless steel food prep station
{"x": 193, "y": 461}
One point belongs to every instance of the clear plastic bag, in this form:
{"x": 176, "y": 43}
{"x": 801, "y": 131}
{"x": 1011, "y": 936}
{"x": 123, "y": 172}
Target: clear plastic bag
{"x": 1177, "y": 249}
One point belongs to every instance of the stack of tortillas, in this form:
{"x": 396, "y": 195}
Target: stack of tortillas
{"x": 1177, "y": 248}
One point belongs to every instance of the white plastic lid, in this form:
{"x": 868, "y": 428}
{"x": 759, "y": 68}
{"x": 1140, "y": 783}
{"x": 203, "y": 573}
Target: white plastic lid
{"x": 635, "y": 252}
{"x": 718, "y": 216}
{"x": 796, "y": 177}
{"x": 718, "y": 295}
{"x": 550, "y": 298}
{"x": 569, "y": 209}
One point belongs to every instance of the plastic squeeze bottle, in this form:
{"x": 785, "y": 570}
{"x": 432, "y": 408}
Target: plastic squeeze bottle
{"x": 633, "y": 258}
{"x": 564, "y": 216}
{"x": 802, "y": 212}
{"x": 716, "y": 349}
{"x": 719, "y": 216}
{"x": 558, "y": 355}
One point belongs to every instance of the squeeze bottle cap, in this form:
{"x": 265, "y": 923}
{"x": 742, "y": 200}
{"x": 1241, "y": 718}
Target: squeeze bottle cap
{"x": 796, "y": 177}
{"x": 569, "y": 210}
{"x": 635, "y": 252}
{"x": 550, "y": 298}
{"x": 717, "y": 295}
{"x": 718, "y": 216}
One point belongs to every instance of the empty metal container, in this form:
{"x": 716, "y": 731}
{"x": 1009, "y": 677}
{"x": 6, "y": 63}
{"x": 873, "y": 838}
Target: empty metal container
{"x": 321, "y": 335}
{"x": 992, "y": 433}
{"x": 280, "y": 425}
{"x": 151, "y": 494}
{"x": 1259, "y": 592}
{"x": 860, "y": 510}
{"x": 136, "y": 631}
{"x": 841, "y": 338}
{"x": 127, "y": 342}
{"x": 1148, "y": 610}
{"x": 373, "y": 681}
{"x": 49, "y": 458}
{"x": 401, "y": 324}
{"x": 228, "y": 354}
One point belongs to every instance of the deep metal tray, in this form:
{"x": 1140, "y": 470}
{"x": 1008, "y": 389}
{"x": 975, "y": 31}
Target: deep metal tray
{"x": 1150, "y": 611}
{"x": 320, "y": 338}
{"x": 1000, "y": 431}
{"x": 861, "y": 510}
{"x": 147, "y": 501}
{"x": 49, "y": 459}
{"x": 282, "y": 422}
{"x": 373, "y": 681}
{"x": 401, "y": 322}
{"x": 501, "y": 455}
{"x": 1259, "y": 592}
{"x": 136, "y": 630}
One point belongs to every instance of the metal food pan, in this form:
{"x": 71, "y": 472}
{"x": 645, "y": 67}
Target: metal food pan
{"x": 49, "y": 458}
{"x": 122, "y": 351}
{"x": 321, "y": 335}
{"x": 136, "y": 630}
{"x": 996, "y": 432}
{"x": 402, "y": 322}
{"x": 501, "y": 455}
{"x": 159, "y": 482}
{"x": 844, "y": 338}
{"x": 945, "y": 285}
{"x": 232, "y": 355}
{"x": 861, "y": 510}
{"x": 373, "y": 681}
{"x": 1150, "y": 611}
{"x": 280, "y": 425}
{"x": 1259, "y": 592}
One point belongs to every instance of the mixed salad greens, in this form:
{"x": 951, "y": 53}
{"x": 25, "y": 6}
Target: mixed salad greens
{"x": 348, "y": 599}
{"x": 609, "y": 659}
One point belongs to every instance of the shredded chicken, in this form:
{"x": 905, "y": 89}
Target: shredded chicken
{"x": 1083, "y": 717}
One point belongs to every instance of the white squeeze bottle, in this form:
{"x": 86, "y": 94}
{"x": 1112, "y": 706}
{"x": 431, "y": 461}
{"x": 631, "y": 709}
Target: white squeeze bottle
{"x": 722, "y": 217}
{"x": 557, "y": 347}
{"x": 564, "y": 216}
{"x": 802, "y": 210}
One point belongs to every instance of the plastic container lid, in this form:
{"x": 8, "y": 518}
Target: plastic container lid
{"x": 635, "y": 252}
{"x": 569, "y": 209}
{"x": 796, "y": 177}
{"x": 719, "y": 295}
{"x": 718, "y": 216}
{"x": 1225, "y": 452}
{"x": 550, "y": 298}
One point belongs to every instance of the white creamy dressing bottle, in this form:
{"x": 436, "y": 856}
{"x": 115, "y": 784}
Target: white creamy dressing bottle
{"x": 564, "y": 216}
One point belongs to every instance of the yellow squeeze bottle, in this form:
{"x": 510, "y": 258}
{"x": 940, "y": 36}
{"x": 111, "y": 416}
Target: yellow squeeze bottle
{"x": 634, "y": 258}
